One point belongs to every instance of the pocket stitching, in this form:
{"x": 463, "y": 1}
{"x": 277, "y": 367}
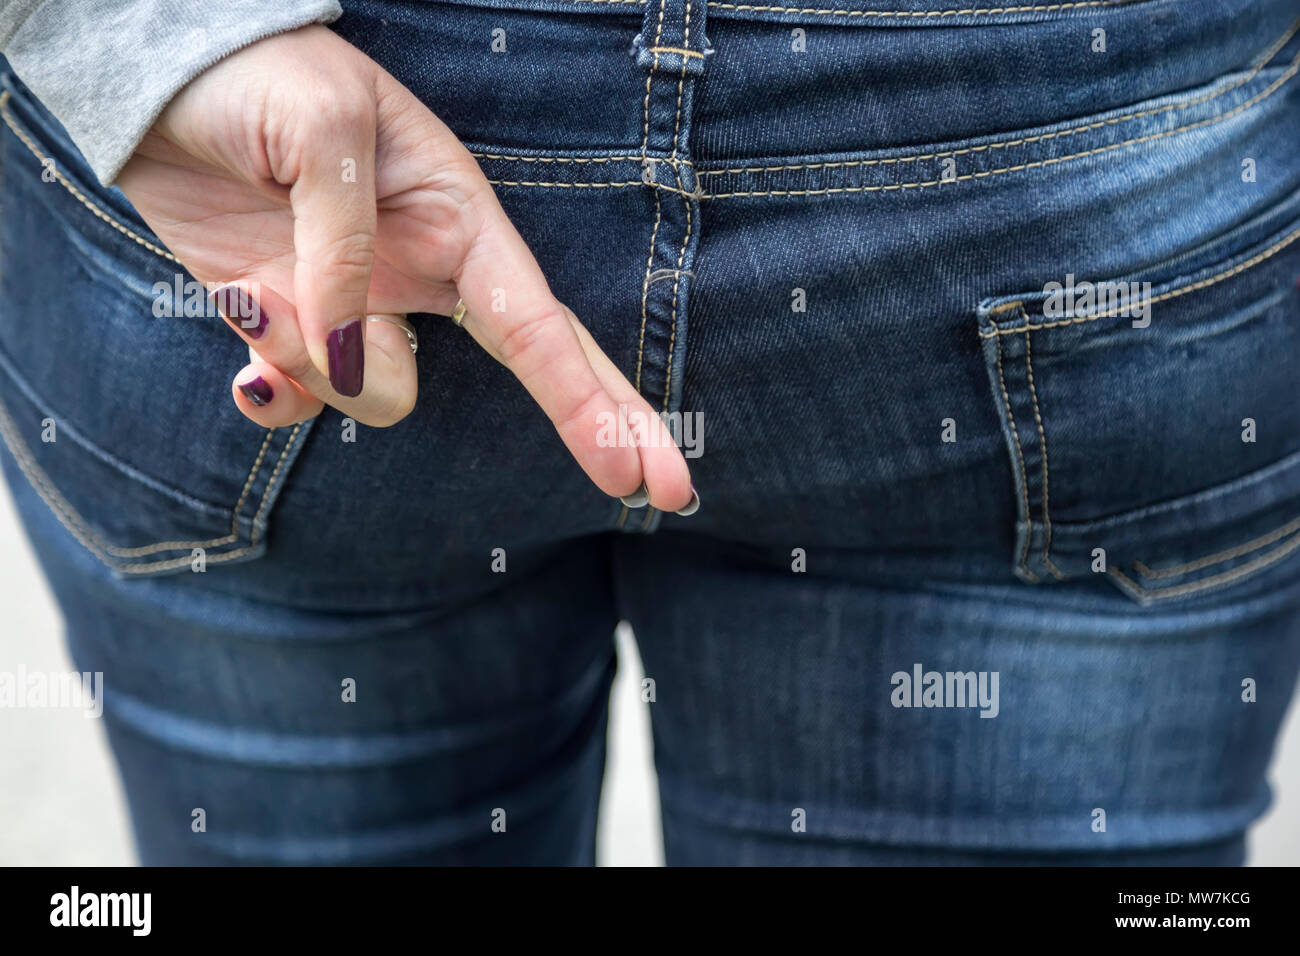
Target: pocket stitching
{"x": 1192, "y": 587}
{"x": 1020, "y": 461}
{"x": 1227, "y": 555}
{"x": 1123, "y": 580}
{"x": 1042, "y": 442}
{"x": 42, "y": 483}
{"x": 81, "y": 530}
{"x": 215, "y": 542}
{"x": 1164, "y": 296}
{"x": 71, "y": 187}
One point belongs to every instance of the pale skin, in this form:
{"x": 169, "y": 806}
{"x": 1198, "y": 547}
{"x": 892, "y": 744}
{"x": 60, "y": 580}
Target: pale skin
{"x": 243, "y": 177}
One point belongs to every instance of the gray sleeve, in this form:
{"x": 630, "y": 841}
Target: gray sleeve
{"x": 106, "y": 68}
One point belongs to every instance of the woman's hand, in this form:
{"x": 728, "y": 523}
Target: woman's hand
{"x": 302, "y": 173}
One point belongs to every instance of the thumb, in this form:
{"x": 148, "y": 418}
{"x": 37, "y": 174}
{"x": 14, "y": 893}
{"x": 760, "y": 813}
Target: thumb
{"x": 333, "y": 201}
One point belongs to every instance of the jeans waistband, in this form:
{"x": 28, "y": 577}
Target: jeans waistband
{"x": 845, "y": 13}
{"x": 573, "y": 83}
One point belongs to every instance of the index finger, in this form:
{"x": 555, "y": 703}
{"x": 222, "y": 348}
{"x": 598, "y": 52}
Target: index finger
{"x": 517, "y": 319}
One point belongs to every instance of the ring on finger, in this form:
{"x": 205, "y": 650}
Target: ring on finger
{"x": 402, "y": 322}
{"x": 459, "y": 312}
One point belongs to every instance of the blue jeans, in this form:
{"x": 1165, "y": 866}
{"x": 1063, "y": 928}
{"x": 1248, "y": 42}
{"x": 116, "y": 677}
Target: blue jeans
{"x": 984, "y": 329}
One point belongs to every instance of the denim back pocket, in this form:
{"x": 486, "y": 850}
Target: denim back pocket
{"x": 1152, "y": 420}
{"x": 114, "y": 402}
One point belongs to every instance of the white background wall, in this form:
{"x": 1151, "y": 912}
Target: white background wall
{"x": 61, "y": 804}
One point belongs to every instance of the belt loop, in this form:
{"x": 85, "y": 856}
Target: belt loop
{"x": 672, "y": 49}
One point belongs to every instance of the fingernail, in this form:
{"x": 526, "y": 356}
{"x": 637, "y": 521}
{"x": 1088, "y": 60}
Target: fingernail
{"x": 240, "y": 309}
{"x": 258, "y": 391}
{"x": 692, "y": 506}
{"x": 637, "y": 499}
{"x": 346, "y": 346}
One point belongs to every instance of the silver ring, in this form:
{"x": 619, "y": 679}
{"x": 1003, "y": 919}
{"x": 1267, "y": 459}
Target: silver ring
{"x": 402, "y": 322}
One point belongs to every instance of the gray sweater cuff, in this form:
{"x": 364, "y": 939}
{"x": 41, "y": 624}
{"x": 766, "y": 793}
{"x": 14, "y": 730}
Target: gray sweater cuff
{"x": 107, "y": 68}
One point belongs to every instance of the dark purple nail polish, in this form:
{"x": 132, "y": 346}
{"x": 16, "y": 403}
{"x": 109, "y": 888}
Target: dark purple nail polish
{"x": 240, "y": 309}
{"x": 258, "y": 391}
{"x": 346, "y": 347}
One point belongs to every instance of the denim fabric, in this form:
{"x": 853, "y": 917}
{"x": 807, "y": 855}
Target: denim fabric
{"x": 831, "y": 234}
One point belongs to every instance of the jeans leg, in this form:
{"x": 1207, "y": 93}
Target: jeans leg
{"x": 253, "y": 733}
{"x": 1112, "y": 736}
